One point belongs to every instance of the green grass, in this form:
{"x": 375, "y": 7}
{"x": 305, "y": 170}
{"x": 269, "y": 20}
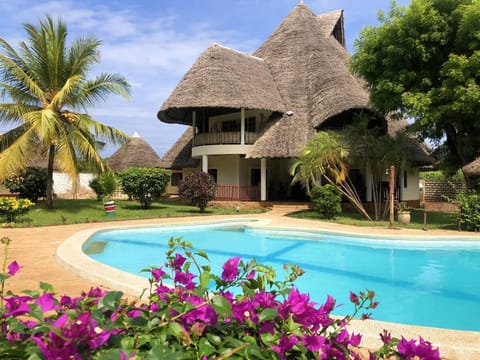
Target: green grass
{"x": 435, "y": 220}
{"x": 91, "y": 211}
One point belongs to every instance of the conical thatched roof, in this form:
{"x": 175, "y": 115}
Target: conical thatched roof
{"x": 223, "y": 78}
{"x": 180, "y": 154}
{"x": 473, "y": 168}
{"x": 136, "y": 153}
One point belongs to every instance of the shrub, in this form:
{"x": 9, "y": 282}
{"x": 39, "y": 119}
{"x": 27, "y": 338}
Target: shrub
{"x": 30, "y": 184}
{"x": 199, "y": 188}
{"x": 326, "y": 201}
{"x": 104, "y": 184}
{"x": 469, "y": 204}
{"x": 145, "y": 184}
{"x": 11, "y": 208}
{"x": 201, "y": 317}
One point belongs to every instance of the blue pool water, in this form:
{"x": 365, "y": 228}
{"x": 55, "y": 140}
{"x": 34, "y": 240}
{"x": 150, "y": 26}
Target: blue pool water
{"x": 429, "y": 283}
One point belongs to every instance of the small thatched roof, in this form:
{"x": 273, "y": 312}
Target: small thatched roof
{"x": 473, "y": 168}
{"x": 223, "y": 78}
{"x": 136, "y": 153}
{"x": 180, "y": 154}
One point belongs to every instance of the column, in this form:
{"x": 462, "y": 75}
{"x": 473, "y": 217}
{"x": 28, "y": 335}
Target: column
{"x": 263, "y": 179}
{"x": 194, "y": 125}
{"x": 205, "y": 163}
{"x": 242, "y": 126}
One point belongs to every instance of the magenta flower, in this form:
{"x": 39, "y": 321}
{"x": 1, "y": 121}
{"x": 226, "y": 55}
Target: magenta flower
{"x": 409, "y": 349}
{"x": 313, "y": 342}
{"x": 46, "y": 302}
{"x": 230, "y": 269}
{"x": 17, "y": 305}
{"x": 13, "y": 268}
{"x": 354, "y": 298}
{"x": 185, "y": 279}
{"x": 157, "y": 274}
{"x": 178, "y": 262}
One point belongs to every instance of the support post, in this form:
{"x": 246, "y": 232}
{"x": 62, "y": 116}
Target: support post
{"x": 194, "y": 126}
{"x": 205, "y": 163}
{"x": 263, "y": 179}
{"x": 242, "y": 126}
{"x": 392, "y": 195}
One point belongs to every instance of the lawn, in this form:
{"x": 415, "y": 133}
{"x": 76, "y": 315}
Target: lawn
{"x": 435, "y": 220}
{"x": 91, "y": 210}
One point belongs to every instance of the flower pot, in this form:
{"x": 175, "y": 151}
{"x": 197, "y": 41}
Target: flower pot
{"x": 404, "y": 217}
{"x": 109, "y": 207}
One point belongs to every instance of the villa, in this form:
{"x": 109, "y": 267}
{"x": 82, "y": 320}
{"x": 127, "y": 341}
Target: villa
{"x": 249, "y": 116}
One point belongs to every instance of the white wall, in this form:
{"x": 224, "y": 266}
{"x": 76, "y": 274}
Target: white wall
{"x": 62, "y": 184}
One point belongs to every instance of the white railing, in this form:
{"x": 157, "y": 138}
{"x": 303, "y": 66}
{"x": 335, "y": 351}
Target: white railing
{"x": 224, "y": 138}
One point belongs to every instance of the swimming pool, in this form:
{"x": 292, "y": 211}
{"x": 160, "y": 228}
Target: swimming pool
{"x": 429, "y": 283}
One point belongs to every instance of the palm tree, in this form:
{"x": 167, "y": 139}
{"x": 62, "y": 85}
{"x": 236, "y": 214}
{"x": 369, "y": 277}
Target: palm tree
{"x": 326, "y": 156}
{"x": 47, "y": 94}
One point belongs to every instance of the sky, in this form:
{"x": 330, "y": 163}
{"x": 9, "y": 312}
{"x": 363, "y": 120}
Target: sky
{"x": 153, "y": 43}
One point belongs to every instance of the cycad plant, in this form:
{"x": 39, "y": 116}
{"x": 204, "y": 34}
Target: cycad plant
{"x": 45, "y": 93}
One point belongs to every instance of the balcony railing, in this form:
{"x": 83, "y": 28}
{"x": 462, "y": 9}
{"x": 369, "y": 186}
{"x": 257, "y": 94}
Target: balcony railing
{"x": 235, "y": 192}
{"x": 224, "y": 138}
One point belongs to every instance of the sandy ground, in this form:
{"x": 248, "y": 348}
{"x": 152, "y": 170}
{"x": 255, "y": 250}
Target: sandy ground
{"x": 35, "y": 249}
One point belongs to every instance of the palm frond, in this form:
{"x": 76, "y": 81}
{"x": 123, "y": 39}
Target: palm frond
{"x": 15, "y": 112}
{"x": 97, "y": 90}
{"x": 16, "y": 157}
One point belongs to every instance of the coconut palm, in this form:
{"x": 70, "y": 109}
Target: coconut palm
{"x": 45, "y": 94}
{"x": 326, "y": 156}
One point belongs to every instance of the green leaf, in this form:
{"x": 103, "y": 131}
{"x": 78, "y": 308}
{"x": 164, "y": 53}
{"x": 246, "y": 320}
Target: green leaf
{"x": 268, "y": 314}
{"x": 161, "y": 352}
{"x": 46, "y": 287}
{"x": 205, "y": 347}
{"x": 221, "y": 305}
{"x": 111, "y": 301}
{"x": 176, "y": 330}
{"x": 203, "y": 254}
{"x": 36, "y": 312}
{"x": 204, "y": 280}
{"x": 127, "y": 343}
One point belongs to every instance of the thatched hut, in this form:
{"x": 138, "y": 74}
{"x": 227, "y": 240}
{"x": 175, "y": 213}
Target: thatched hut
{"x": 251, "y": 115}
{"x": 136, "y": 153}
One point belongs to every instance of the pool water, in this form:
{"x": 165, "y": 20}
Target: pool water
{"x": 429, "y": 283}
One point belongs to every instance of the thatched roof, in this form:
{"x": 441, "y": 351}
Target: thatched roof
{"x": 180, "y": 154}
{"x": 310, "y": 69}
{"x": 300, "y": 73}
{"x": 136, "y": 153}
{"x": 223, "y": 78}
{"x": 473, "y": 168}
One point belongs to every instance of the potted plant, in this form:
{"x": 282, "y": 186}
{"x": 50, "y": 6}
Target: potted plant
{"x": 104, "y": 186}
{"x": 403, "y": 213}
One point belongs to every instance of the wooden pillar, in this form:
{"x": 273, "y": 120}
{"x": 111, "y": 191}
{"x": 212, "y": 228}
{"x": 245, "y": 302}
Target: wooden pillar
{"x": 242, "y": 126}
{"x": 263, "y": 179}
{"x": 392, "y": 195}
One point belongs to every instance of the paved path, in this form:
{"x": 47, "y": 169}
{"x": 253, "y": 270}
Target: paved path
{"x": 34, "y": 248}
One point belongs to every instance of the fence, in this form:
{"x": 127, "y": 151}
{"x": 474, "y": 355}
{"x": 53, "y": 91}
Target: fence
{"x": 235, "y": 192}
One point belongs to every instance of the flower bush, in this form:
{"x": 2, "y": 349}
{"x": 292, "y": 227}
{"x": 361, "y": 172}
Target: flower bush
{"x": 11, "y": 208}
{"x": 245, "y": 313}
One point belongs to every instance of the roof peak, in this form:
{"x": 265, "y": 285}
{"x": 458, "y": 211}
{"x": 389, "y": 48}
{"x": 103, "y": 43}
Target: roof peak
{"x": 136, "y": 135}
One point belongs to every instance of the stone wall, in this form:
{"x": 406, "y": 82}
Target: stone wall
{"x": 440, "y": 190}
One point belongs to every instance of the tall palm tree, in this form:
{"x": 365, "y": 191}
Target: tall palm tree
{"x": 326, "y": 156}
{"x": 47, "y": 93}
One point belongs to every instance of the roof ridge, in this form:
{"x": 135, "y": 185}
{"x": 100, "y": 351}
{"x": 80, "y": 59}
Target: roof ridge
{"x": 236, "y": 51}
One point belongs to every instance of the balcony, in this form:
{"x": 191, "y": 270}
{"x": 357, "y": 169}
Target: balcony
{"x": 224, "y": 138}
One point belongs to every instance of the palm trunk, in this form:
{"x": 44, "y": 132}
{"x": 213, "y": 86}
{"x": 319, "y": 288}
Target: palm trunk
{"x": 49, "y": 199}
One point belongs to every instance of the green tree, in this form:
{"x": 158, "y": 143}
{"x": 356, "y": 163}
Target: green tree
{"x": 424, "y": 60}
{"x": 326, "y": 157}
{"x": 30, "y": 183}
{"x": 45, "y": 87}
{"x": 144, "y": 183}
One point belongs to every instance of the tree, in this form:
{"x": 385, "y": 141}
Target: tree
{"x": 424, "y": 60}
{"x": 326, "y": 156}
{"x": 144, "y": 183}
{"x": 199, "y": 188}
{"x": 29, "y": 184}
{"x": 104, "y": 185}
{"x": 45, "y": 87}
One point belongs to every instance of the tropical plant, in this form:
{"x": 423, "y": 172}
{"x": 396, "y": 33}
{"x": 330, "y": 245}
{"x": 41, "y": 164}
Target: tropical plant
{"x": 144, "y": 184}
{"x": 424, "y": 60}
{"x": 104, "y": 185}
{"x": 30, "y": 183}
{"x": 469, "y": 203}
{"x": 245, "y": 313}
{"x": 11, "y": 208}
{"x": 45, "y": 84}
{"x": 327, "y": 201}
{"x": 326, "y": 157}
{"x": 199, "y": 188}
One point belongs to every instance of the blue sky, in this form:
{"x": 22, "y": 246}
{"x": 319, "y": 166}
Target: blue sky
{"x": 154, "y": 42}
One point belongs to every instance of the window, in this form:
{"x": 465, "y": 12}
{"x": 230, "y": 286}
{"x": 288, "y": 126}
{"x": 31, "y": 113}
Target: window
{"x": 250, "y": 124}
{"x": 231, "y": 125}
{"x": 176, "y": 178}
{"x": 255, "y": 177}
{"x": 213, "y": 172}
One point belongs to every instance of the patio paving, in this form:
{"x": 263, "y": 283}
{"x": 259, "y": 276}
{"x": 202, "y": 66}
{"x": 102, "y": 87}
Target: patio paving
{"x": 35, "y": 248}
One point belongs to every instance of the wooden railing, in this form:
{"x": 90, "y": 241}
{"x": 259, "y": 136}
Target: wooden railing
{"x": 235, "y": 192}
{"x": 224, "y": 138}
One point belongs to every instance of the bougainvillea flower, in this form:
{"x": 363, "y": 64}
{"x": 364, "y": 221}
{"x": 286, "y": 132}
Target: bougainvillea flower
{"x": 230, "y": 269}
{"x": 157, "y": 274}
{"x": 17, "y": 305}
{"x": 178, "y": 262}
{"x": 46, "y": 302}
{"x": 313, "y": 342}
{"x": 13, "y": 268}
